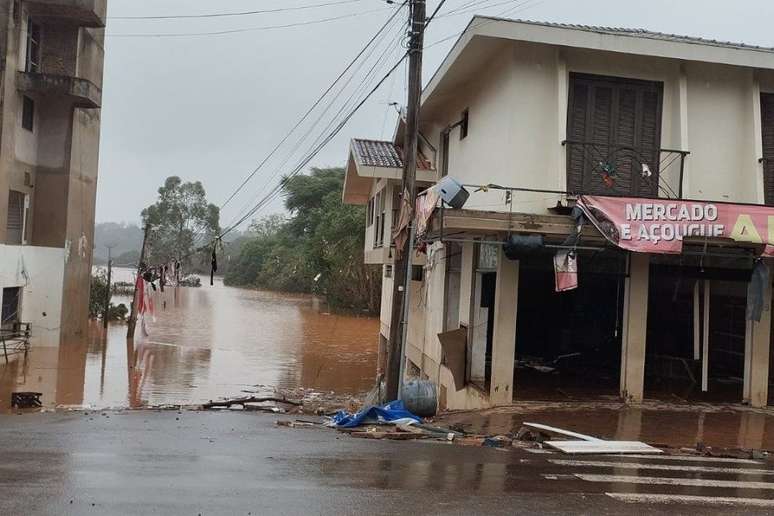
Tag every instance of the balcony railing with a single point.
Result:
(86, 13)
(622, 170)
(81, 92)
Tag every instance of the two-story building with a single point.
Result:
(52, 55)
(666, 143)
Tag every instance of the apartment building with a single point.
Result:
(50, 98)
(616, 239)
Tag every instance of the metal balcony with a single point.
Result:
(85, 13)
(624, 170)
(81, 92)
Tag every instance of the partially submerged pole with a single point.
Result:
(106, 316)
(133, 314)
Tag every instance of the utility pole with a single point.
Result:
(133, 313)
(402, 266)
(106, 316)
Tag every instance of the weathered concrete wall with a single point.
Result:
(36, 270)
(517, 106)
(56, 164)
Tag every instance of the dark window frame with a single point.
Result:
(28, 113)
(34, 36)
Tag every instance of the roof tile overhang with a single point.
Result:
(372, 159)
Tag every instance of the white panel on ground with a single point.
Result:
(705, 352)
(691, 500)
(558, 431)
(602, 447)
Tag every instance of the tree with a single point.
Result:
(180, 219)
(319, 248)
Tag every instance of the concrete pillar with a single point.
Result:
(635, 326)
(504, 332)
(756, 378)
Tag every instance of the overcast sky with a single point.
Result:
(211, 107)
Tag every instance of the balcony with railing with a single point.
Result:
(81, 93)
(84, 13)
(623, 170)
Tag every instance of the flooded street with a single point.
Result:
(205, 343)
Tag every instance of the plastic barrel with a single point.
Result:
(421, 397)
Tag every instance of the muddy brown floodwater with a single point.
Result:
(205, 343)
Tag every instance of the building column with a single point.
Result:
(756, 370)
(504, 331)
(635, 327)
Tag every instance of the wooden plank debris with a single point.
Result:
(550, 430)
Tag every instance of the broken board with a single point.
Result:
(550, 430)
(599, 446)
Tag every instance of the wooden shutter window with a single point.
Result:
(767, 131)
(15, 223)
(609, 113)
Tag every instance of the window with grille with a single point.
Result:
(33, 47)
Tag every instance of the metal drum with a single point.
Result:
(420, 397)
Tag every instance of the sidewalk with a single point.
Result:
(669, 425)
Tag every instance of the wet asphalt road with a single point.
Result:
(191, 463)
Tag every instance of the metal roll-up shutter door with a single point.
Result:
(15, 224)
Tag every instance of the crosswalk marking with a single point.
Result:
(692, 458)
(660, 467)
(691, 500)
(669, 481)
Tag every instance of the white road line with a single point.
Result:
(691, 500)
(668, 481)
(692, 458)
(660, 467)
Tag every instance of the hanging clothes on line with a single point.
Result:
(214, 267)
(401, 231)
(426, 204)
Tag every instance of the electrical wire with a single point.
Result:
(226, 15)
(247, 29)
(358, 91)
(314, 105)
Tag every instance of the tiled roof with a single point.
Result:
(643, 33)
(373, 153)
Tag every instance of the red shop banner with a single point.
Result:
(660, 225)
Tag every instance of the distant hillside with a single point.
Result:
(126, 240)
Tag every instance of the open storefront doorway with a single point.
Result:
(568, 344)
(696, 330)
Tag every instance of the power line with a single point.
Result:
(358, 91)
(247, 29)
(315, 151)
(314, 105)
(225, 15)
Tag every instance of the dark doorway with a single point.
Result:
(568, 344)
(11, 306)
(675, 351)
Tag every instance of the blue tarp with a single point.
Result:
(392, 412)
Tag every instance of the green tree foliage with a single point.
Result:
(97, 296)
(317, 249)
(180, 219)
